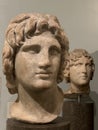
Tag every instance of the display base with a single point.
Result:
(58, 124)
(80, 115)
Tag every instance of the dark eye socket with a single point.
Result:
(32, 49)
(88, 64)
(35, 49)
(54, 50)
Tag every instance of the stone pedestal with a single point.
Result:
(80, 114)
(58, 124)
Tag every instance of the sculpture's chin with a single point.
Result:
(41, 85)
(44, 84)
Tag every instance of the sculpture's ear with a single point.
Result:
(67, 75)
(11, 84)
(66, 71)
(92, 73)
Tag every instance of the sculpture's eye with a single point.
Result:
(78, 64)
(34, 49)
(88, 64)
(54, 50)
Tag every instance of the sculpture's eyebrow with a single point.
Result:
(30, 46)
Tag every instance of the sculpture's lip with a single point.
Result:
(44, 74)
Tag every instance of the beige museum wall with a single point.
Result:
(79, 18)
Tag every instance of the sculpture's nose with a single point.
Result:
(84, 68)
(44, 60)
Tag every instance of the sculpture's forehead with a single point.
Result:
(42, 40)
(83, 59)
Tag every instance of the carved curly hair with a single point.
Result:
(26, 26)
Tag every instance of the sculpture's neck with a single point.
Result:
(80, 89)
(39, 97)
(38, 107)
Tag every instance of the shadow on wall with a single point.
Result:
(94, 89)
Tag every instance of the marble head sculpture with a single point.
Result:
(33, 61)
(79, 71)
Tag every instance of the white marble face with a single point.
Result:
(80, 72)
(37, 62)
